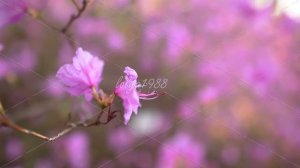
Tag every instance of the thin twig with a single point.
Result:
(74, 17)
(97, 122)
(64, 31)
(5, 121)
(39, 17)
(26, 131)
(61, 133)
(76, 4)
(96, 95)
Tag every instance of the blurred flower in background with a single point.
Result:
(181, 151)
(231, 98)
(12, 11)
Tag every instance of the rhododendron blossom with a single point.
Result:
(231, 76)
(127, 91)
(83, 75)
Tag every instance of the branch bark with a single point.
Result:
(5, 121)
(74, 17)
(64, 30)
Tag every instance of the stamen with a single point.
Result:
(150, 96)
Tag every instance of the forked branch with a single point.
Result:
(5, 121)
(74, 17)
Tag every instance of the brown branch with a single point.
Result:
(65, 131)
(38, 16)
(76, 4)
(74, 17)
(64, 31)
(5, 121)
(26, 131)
(96, 95)
(97, 122)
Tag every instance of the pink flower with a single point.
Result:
(77, 147)
(12, 11)
(83, 75)
(181, 151)
(127, 91)
(261, 74)
(14, 148)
